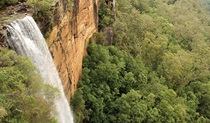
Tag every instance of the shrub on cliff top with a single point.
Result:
(42, 5)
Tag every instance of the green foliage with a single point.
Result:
(156, 72)
(205, 4)
(42, 5)
(100, 38)
(45, 14)
(69, 5)
(23, 96)
(104, 14)
(115, 87)
(78, 105)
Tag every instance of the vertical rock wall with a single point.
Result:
(68, 39)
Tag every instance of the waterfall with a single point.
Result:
(26, 39)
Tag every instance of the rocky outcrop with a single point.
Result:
(69, 38)
(11, 13)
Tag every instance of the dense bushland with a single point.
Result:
(24, 98)
(157, 70)
(205, 4)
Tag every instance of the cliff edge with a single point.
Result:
(69, 37)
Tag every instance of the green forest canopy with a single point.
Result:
(205, 4)
(156, 71)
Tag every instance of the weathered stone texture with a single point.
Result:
(67, 41)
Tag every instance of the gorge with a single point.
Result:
(147, 61)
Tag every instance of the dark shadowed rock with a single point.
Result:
(20, 8)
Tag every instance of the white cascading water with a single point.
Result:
(26, 39)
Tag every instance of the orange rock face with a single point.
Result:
(68, 39)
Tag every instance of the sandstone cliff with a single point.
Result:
(69, 37)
